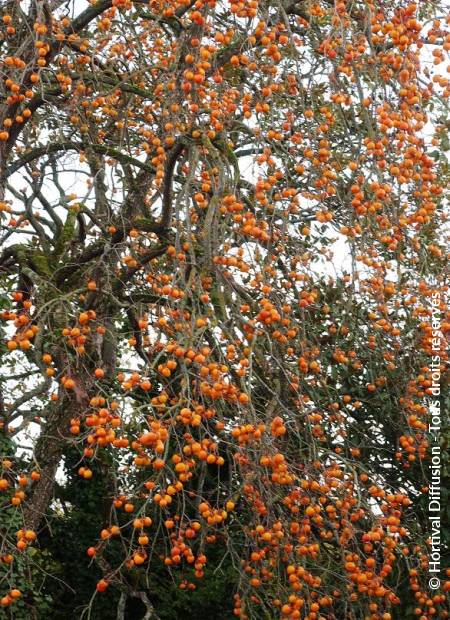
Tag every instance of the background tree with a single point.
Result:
(221, 221)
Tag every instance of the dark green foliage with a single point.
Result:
(64, 579)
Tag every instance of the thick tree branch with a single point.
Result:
(49, 149)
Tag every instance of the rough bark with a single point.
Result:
(49, 451)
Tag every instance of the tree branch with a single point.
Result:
(49, 149)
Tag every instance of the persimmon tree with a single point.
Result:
(220, 221)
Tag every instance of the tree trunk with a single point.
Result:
(49, 451)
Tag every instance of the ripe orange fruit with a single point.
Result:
(102, 585)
